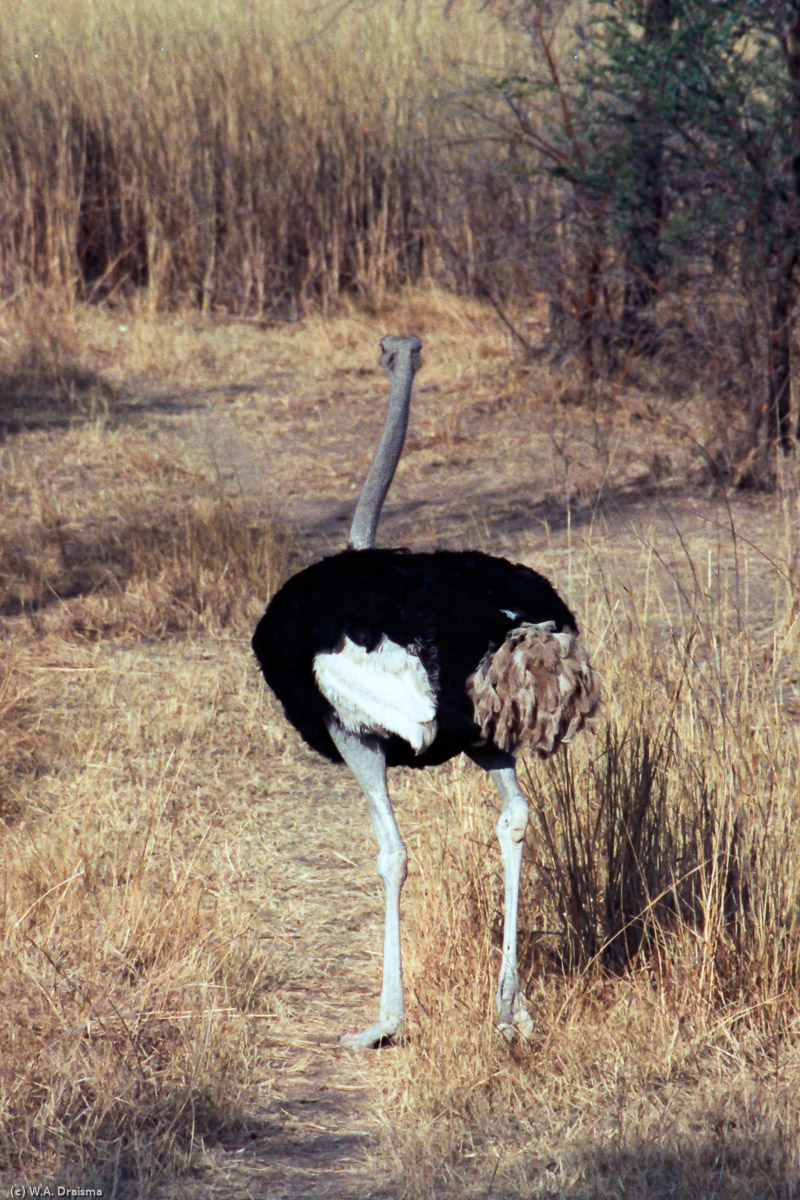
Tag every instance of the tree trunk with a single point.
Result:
(643, 255)
(637, 320)
(587, 313)
(779, 375)
(792, 52)
(779, 378)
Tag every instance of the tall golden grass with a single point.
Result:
(239, 155)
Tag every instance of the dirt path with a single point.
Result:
(314, 1135)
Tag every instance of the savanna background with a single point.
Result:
(209, 215)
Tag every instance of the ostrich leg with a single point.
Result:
(512, 1014)
(365, 758)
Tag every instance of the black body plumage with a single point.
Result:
(448, 607)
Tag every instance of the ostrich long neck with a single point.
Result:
(401, 367)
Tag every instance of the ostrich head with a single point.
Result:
(401, 354)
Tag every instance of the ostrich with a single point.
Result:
(387, 657)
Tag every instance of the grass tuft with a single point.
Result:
(23, 746)
(131, 984)
(205, 569)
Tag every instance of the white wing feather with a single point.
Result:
(382, 691)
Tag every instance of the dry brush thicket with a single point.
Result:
(245, 157)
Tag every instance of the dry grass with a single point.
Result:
(148, 549)
(179, 572)
(189, 906)
(22, 747)
(128, 976)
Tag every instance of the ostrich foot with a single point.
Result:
(382, 1033)
(515, 1021)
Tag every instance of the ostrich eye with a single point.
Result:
(390, 361)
